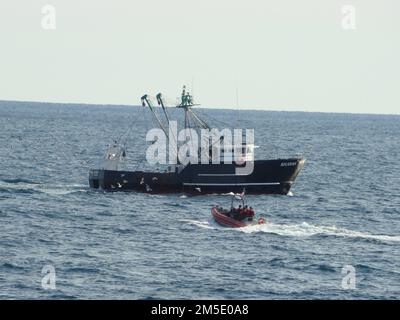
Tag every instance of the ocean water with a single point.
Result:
(344, 209)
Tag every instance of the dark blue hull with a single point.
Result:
(267, 177)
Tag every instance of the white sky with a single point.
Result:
(281, 55)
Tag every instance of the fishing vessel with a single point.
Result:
(236, 169)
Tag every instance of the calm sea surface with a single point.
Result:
(344, 210)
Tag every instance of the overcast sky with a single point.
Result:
(279, 55)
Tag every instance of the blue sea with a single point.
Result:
(343, 212)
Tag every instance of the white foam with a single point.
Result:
(18, 185)
(297, 230)
(57, 189)
(307, 230)
(60, 189)
(227, 194)
(201, 224)
(57, 192)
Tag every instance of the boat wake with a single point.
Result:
(19, 185)
(298, 230)
(203, 224)
(307, 230)
(58, 190)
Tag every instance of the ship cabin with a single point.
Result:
(243, 153)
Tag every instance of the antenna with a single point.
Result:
(237, 97)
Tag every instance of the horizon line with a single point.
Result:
(202, 107)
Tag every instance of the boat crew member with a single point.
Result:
(250, 214)
(237, 213)
(243, 213)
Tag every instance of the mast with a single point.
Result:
(190, 117)
(187, 104)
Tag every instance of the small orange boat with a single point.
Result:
(232, 218)
(223, 218)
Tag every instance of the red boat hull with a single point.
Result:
(226, 221)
